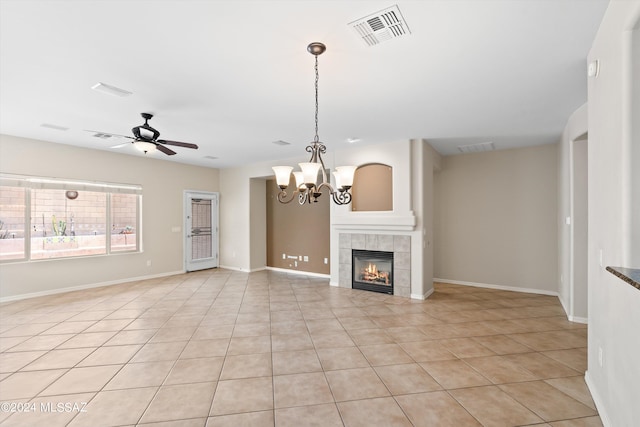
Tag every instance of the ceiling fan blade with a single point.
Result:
(124, 144)
(178, 144)
(165, 150)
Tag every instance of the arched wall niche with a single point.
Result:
(372, 188)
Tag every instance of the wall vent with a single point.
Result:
(476, 148)
(381, 26)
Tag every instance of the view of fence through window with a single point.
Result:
(66, 223)
(12, 222)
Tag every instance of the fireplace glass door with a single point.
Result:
(372, 271)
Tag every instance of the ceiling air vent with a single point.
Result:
(476, 148)
(210, 157)
(381, 26)
(111, 90)
(281, 142)
(56, 127)
(102, 135)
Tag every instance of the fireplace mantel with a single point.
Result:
(375, 221)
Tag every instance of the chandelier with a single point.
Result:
(308, 186)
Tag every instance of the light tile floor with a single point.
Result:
(221, 348)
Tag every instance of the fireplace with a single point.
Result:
(372, 271)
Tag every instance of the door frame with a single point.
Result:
(215, 222)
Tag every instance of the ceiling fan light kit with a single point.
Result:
(308, 187)
(145, 147)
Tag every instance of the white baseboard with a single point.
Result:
(87, 286)
(578, 319)
(597, 400)
(228, 267)
(570, 317)
(564, 305)
(499, 287)
(299, 272)
(423, 297)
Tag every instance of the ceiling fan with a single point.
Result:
(145, 138)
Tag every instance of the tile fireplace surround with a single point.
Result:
(399, 244)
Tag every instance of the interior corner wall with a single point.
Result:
(163, 186)
(258, 224)
(495, 219)
(431, 163)
(576, 126)
(243, 243)
(613, 374)
(235, 225)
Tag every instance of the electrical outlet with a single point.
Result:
(295, 263)
(148, 263)
(284, 256)
(326, 260)
(306, 258)
(299, 257)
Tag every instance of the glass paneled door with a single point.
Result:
(201, 226)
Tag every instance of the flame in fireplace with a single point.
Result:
(371, 274)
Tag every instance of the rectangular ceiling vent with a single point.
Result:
(111, 90)
(477, 148)
(56, 127)
(210, 157)
(281, 142)
(381, 26)
(102, 135)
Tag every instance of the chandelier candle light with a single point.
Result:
(308, 188)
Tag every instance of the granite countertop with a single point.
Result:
(629, 275)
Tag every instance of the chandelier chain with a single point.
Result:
(316, 138)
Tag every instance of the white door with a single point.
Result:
(201, 230)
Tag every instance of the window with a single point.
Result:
(12, 222)
(124, 220)
(45, 218)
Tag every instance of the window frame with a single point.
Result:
(31, 183)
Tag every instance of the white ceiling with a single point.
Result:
(234, 76)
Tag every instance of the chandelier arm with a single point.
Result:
(341, 197)
(326, 185)
(282, 196)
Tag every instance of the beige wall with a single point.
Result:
(162, 208)
(614, 306)
(495, 218)
(296, 230)
(372, 188)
